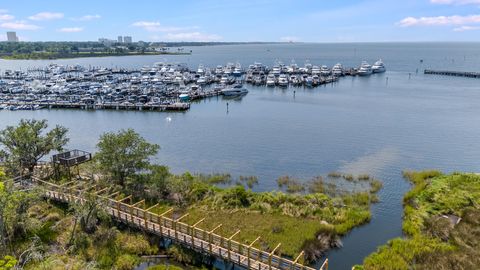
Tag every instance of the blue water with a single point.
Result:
(358, 125)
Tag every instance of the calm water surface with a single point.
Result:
(358, 125)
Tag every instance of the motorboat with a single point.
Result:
(337, 70)
(325, 71)
(271, 80)
(235, 90)
(283, 80)
(378, 67)
(365, 69)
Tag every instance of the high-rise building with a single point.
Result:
(12, 36)
(120, 39)
(127, 39)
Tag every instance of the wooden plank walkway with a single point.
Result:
(190, 236)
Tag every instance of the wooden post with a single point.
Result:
(270, 256)
(192, 228)
(145, 214)
(230, 244)
(296, 259)
(210, 240)
(113, 194)
(102, 190)
(324, 265)
(137, 203)
(160, 217)
(176, 222)
(248, 250)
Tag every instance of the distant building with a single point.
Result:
(12, 36)
(106, 41)
(120, 39)
(127, 39)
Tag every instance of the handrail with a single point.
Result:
(242, 254)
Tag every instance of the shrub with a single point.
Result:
(334, 174)
(126, 262)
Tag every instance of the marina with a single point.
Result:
(356, 125)
(161, 87)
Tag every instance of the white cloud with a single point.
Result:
(70, 29)
(455, 2)
(466, 28)
(158, 27)
(192, 36)
(439, 20)
(6, 17)
(289, 39)
(19, 25)
(45, 16)
(87, 18)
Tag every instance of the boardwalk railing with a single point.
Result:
(193, 237)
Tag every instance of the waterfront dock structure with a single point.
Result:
(137, 214)
(453, 73)
(164, 86)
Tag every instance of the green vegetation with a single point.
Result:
(164, 267)
(436, 237)
(42, 235)
(25, 144)
(123, 154)
(57, 50)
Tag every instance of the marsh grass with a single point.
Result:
(434, 242)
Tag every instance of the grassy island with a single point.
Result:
(39, 234)
(441, 224)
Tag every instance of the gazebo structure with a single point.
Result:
(69, 159)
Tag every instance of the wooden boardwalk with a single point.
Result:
(191, 236)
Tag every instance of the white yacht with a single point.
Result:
(337, 70)
(378, 67)
(365, 69)
(235, 90)
(315, 70)
(276, 70)
(237, 71)
(283, 80)
(271, 80)
(325, 71)
(201, 80)
(201, 69)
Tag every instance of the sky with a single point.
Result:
(243, 20)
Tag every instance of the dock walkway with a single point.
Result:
(453, 73)
(191, 236)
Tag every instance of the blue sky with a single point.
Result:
(243, 20)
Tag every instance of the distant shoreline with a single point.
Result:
(55, 56)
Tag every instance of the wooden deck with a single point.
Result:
(190, 236)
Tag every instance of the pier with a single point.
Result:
(453, 73)
(137, 214)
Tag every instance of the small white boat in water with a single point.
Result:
(378, 67)
(236, 90)
(365, 69)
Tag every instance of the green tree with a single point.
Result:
(124, 154)
(86, 213)
(25, 144)
(13, 212)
